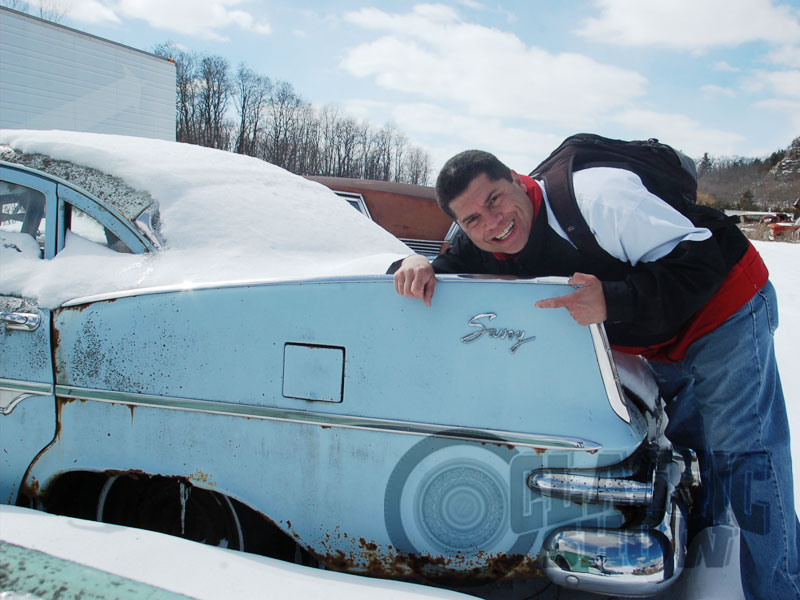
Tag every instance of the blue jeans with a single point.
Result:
(724, 400)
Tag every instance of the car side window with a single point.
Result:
(91, 229)
(23, 210)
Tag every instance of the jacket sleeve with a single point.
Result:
(659, 297)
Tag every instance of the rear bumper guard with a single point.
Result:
(634, 562)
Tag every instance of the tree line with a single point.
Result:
(747, 183)
(248, 113)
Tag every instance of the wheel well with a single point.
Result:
(172, 505)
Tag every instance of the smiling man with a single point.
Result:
(683, 288)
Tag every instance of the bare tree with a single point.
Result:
(417, 166)
(187, 126)
(20, 5)
(52, 10)
(283, 113)
(399, 145)
(252, 95)
(212, 101)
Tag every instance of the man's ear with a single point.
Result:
(517, 180)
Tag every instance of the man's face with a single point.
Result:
(496, 215)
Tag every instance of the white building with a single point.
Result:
(55, 77)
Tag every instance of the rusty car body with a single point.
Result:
(323, 419)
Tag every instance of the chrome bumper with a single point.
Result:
(633, 562)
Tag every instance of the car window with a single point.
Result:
(91, 229)
(22, 210)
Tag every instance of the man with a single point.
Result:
(689, 292)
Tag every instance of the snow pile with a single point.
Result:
(225, 217)
(196, 570)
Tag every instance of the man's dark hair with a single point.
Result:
(459, 171)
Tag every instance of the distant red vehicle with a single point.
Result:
(785, 230)
(407, 211)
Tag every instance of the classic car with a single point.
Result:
(201, 344)
(409, 212)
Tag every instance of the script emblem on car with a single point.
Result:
(516, 335)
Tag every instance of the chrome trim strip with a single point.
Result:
(12, 392)
(491, 436)
(32, 387)
(608, 372)
(186, 287)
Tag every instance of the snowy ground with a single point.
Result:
(783, 261)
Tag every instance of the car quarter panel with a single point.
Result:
(380, 355)
(434, 409)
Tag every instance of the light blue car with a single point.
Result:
(197, 343)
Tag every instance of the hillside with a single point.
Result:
(751, 184)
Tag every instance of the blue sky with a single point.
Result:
(510, 76)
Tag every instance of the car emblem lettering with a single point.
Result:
(504, 333)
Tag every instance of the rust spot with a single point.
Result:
(539, 450)
(199, 476)
(30, 490)
(55, 336)
(383, 562)
(371, 546)
(594, 451)
(78, 308)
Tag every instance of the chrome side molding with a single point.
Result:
(332, 419)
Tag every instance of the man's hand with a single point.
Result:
(415, 278)
(587, 304)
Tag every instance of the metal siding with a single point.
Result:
(56, 78)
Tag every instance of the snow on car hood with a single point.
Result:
(224, 217)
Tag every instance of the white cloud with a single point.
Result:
(205, 19)
(785, 89)
(692, 25)
(718, 90)
(788, 56)
(725, 67)
(790, 108)
(92, 11)
(430, 53)
(443, 133)
(681, 132)
(471, 4)
(781, 83)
